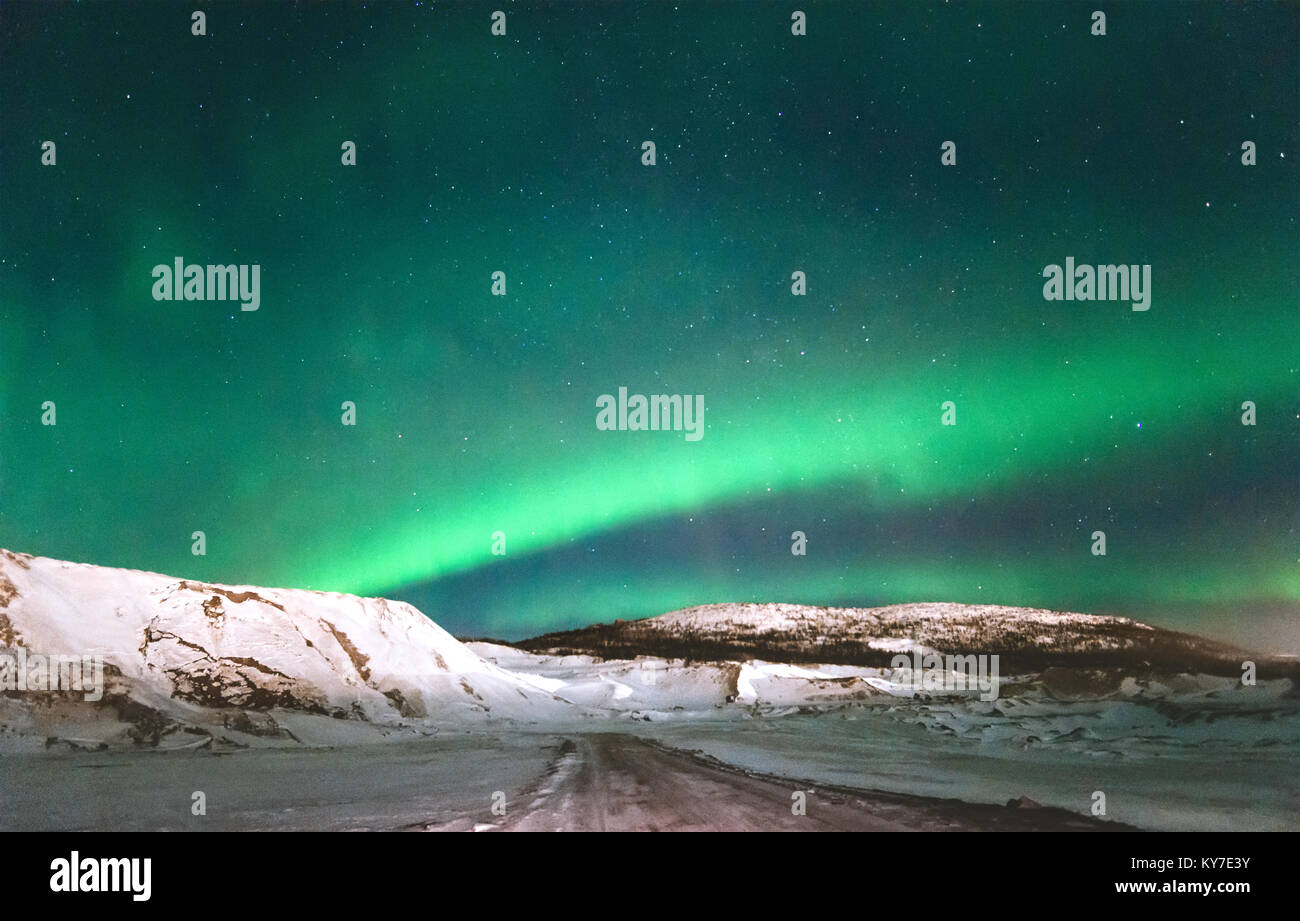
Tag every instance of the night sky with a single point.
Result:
(775, 153)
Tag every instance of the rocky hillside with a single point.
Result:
(1026, 640)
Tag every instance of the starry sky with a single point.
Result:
(775, 153)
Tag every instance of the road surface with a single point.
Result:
(614, 782)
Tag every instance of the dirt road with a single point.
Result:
(612, 782)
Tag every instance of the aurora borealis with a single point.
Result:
(776, 153)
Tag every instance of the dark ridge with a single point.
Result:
(1083, 645)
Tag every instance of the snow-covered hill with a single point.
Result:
(1027, 640)
(187, 663)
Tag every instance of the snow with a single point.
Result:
(197, 655)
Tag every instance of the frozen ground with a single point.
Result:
(445, 783)
(600, 781)
(1215, 788)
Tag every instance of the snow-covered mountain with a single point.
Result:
(1027, 640)
(187, 662)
